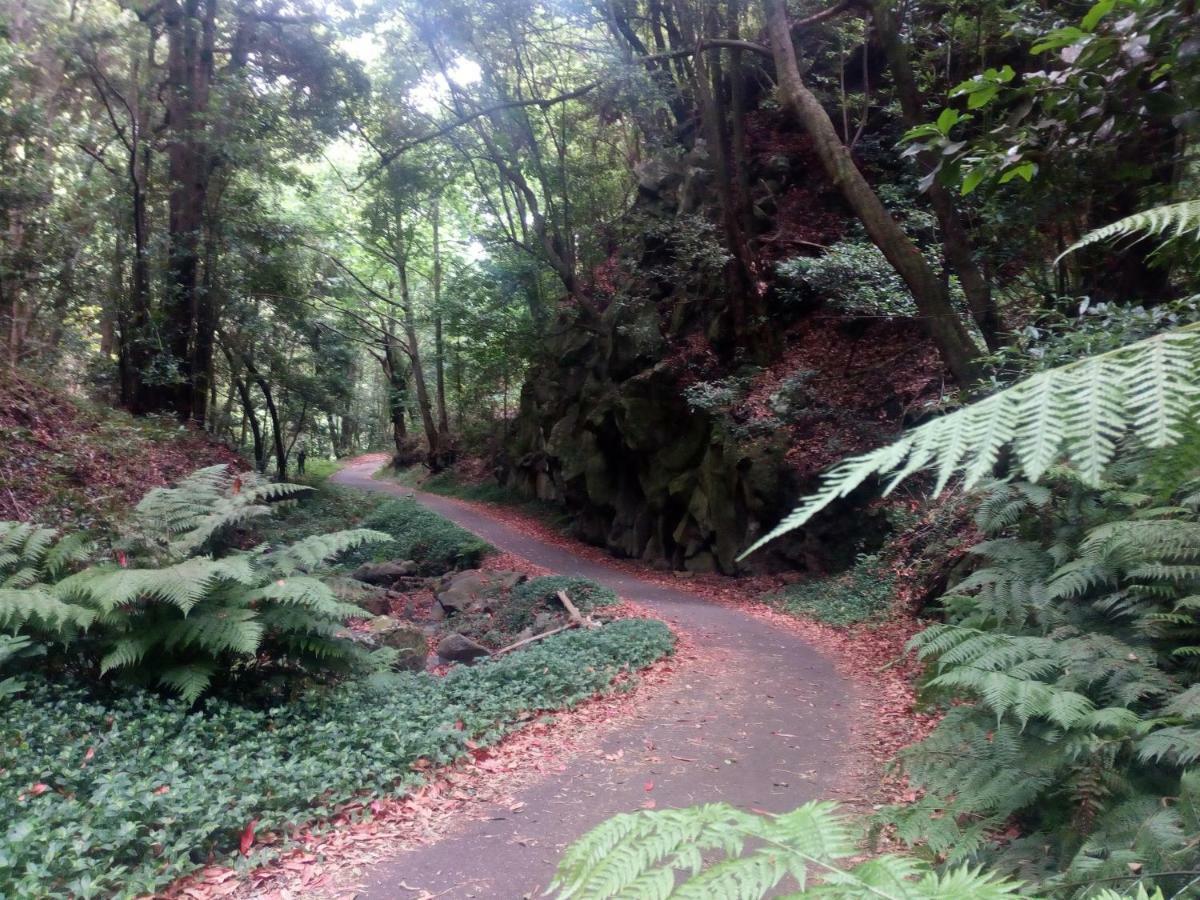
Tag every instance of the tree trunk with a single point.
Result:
(745, 304)
(248, 413)
(260, 456)
(424, 407)
(190, 34)
(439, 345)
(276, 428)
(956, 241)
(929, 291)
(397, 401)
(136, 347)
(737, 116)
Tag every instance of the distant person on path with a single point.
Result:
(300, 458)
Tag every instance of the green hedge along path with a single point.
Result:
(766, 729)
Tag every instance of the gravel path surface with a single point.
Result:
(766, 728)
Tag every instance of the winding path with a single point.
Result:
(766, 729)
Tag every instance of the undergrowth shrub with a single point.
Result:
(540, 594)
(719, 851)
(1069, 667)
(861, 593)
(851, 275)
(435, 544)
(1058, 338)
(122, 797)
(164, 608)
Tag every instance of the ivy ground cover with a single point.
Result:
(122, 796)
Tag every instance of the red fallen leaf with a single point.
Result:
(87, 757)
(162, 789)
(237, 486)
(247, 840)
(122, 559)
(377, 806)
(649, 785)
(648, 804)
(38, 789)
(458, 725)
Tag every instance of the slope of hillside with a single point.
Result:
(65, 461)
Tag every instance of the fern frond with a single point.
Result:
(38, 606)
(216, 631)
(127, 652)
(306, 554)
(189, 681)
(30, 553)
(727, 854)
(1076, 412)
(1181, 218)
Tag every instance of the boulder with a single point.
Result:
(408, 640)
(474, 590)
(461, 649)
(384, 573)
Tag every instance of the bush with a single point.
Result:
(539, 594)
(862, 593)
(1068, 669)
(122, 797)
(435, 544)
(165, 608)
(853, 276)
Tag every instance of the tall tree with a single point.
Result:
(930, 291)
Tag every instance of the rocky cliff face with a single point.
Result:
(623, 422)
(603, 428)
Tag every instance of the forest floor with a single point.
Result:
(756, 710)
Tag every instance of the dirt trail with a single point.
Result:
(767, 728)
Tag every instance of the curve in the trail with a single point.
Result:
(768, 728)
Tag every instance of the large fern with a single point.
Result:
(164, 610)
(189, 516)
(29, 557)
(1071, 660)
(719, 852)
(1079, 412)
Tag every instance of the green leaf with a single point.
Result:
(982, 97)
(1024, 170)
(947, 120)
(973, 179)
(1059, 38)
(1096, 13)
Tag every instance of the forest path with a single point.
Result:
(767, 728)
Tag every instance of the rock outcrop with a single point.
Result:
(612, 421)
(461, 649)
